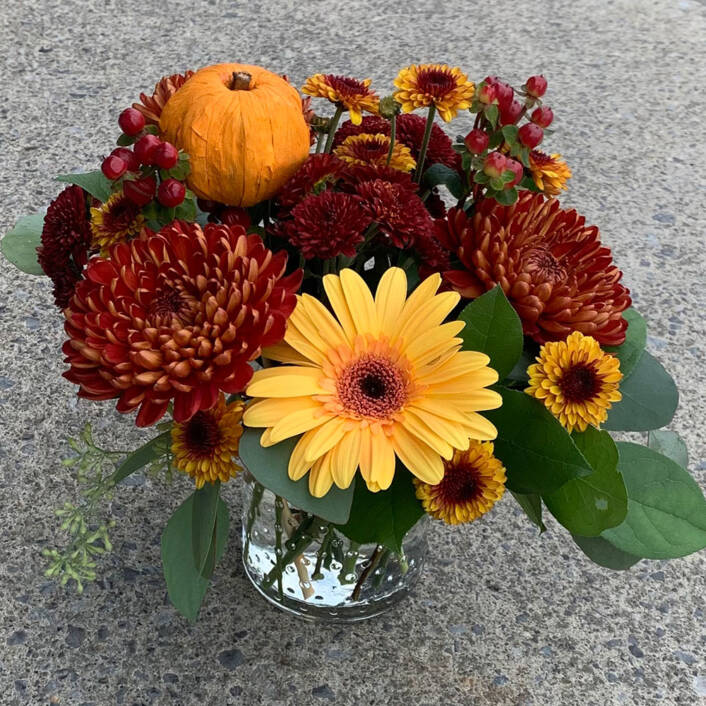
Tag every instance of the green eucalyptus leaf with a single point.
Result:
(590, 504)
(531, 504)
(141, 457)
(203, 527)
(494, 328)
(95, 183)
(269, 465)
(185, 584)
(669, 444)
(630, 351)
(20, 244)
(440, 174)
(538, 454)
(666, 508)
(603, 553)
(384, 517)
(650, 398)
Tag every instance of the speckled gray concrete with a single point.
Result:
(502, 616)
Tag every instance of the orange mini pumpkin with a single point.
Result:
(243, 129)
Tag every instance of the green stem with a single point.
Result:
(372, 563)
(393, 135)
(279, 507)
(320, 142)
(255, 501)
(332, 128)
(299, 541)
(321, 554)
(349, 562)
(425, 143)
(382, 563)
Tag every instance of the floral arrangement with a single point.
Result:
(369, 321)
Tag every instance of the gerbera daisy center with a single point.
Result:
(580, 383)
(372, 386)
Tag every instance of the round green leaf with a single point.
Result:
(532, 507)
(20, 244)
(605, 554)
(669, 444)
(666, 508)
(440, 174)
(270, 467)
(95, 183)
(494, 328)
(630, 351)
(538, 453)
(650, 398)
(590, 504)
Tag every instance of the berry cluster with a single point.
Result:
(496, 152)
(152, 167)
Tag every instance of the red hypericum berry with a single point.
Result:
(510, 113)
(113, 167)
(207, 205)
(504, 93)
(131, 121)
(233, 216)
(543, 116)
(166, 155)
(145, 148)
(494, 164)
(140, 191)
(477, 141)
(530, 135)
(128, 156)
(515, 166)
(487, 93)
(536, 86)
(171, 193)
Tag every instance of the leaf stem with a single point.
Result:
(372, 563)
(425, 143)
(332, 128)
(299, 541)
(393, 135)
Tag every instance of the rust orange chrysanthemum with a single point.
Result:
(177, 315)
(152, 106)
(550, 264)
(576, 381)
(383, 379)
(550, 172)
(474, 480)
(206, 446)
(349, 93)
(423, 85)
(373, 150)
(115, 220)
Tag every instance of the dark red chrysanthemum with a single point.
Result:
(66, 237)
(399, 214)
(314, 175)
(326, 225)
(410, 131)
(355, 174)
(176, 315)
(432, 256)
(550, 264)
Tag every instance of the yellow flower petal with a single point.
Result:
(286, 381)
(390, 297)
(420, 459)
(360, 301)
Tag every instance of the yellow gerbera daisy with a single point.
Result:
(206, 446)
(419, 86)
(576, 380)
(549, 171)
(372, 150)
(474, 480)
(384, 378)
(116, 220)
(350, 93)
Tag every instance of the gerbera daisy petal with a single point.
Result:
(382, 469)
(359, 300)
(421, 460)
(390, 297)
(345, 462)
(286, 381)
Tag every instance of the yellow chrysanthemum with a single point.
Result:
(576, 380)
(206, 446)
(550, 172)
(419, 86)
(372, 150)
(350, 93)
(116, 220)
(474, 480)
(384, 378)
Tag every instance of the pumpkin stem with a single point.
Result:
(240, 81)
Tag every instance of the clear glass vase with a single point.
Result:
(305, 566)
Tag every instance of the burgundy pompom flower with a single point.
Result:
(176, 315)
(551, 265)
(410, 131)
(313, 176)
(66, 238)
(326, 225)
(400, 215)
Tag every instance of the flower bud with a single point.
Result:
(477, 141)
(494, 164)
(530, 135)
(543, 116)
(536, 86)
(389, 107)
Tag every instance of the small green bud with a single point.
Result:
(389, 107)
